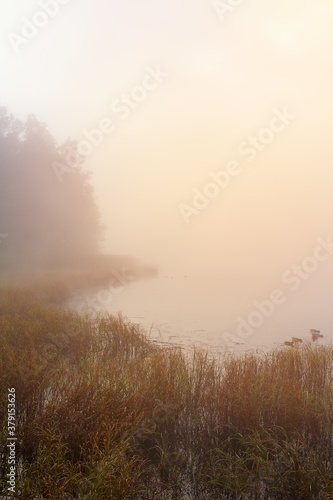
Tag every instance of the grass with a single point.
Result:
(104, 413)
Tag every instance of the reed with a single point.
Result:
(104, 413)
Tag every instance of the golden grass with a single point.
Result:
(103, 413)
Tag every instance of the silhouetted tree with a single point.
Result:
(48, 222)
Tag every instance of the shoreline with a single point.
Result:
(102, 412)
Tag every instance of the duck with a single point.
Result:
(287, 342)
(316, 335)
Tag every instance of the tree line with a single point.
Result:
(43, 223)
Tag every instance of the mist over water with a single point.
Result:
(200, 309)
(204, 146)
(166, 183)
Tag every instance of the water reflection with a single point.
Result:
(205, 310)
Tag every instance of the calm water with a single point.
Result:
(201, 309)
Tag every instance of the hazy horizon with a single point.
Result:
(212, 83)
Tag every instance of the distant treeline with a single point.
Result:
(43, 222)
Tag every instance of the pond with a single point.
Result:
(216, 311)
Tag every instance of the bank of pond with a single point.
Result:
(104, 413)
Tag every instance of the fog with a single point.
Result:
(240, 92)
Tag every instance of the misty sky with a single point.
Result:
(225, 79)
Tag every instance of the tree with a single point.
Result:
(43, 222)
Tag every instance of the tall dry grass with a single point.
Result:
(103, 413)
